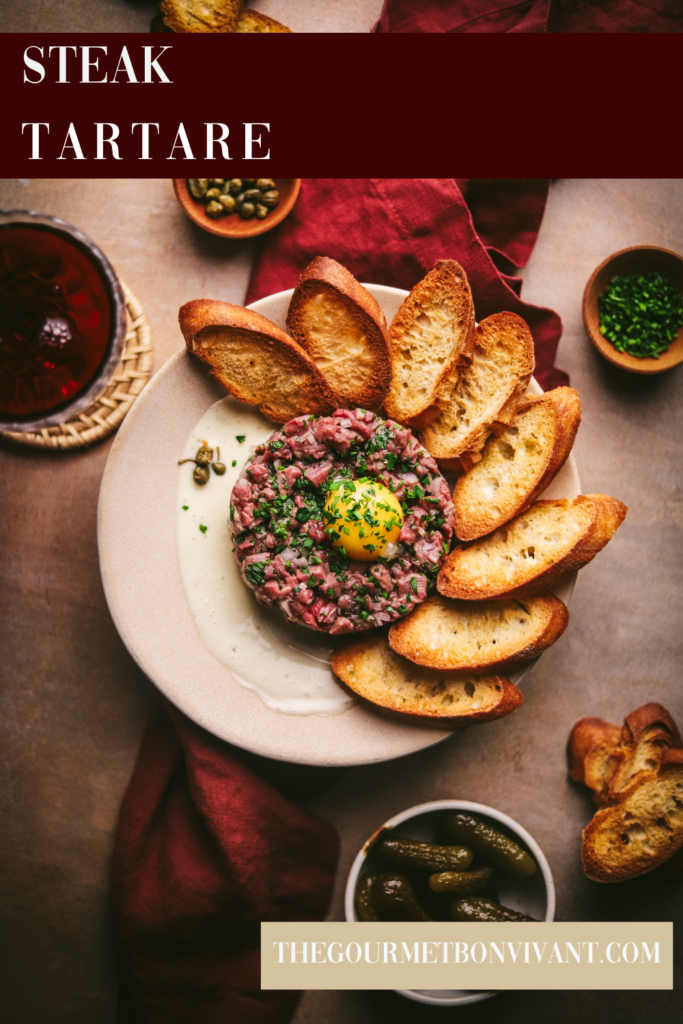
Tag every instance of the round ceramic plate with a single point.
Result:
(138, 526)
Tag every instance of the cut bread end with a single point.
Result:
(374, 671)
(474, 635)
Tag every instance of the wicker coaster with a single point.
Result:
(106, 413)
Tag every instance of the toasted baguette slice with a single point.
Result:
(533, 551)
(642, 830)
(254, 21)
(591, 753)
(516, 467)
(201, 15)
(256, 361)
(473, 635)
(487, 393)
(372, 670)
(431, 334)
(344, 331)
(610, 760)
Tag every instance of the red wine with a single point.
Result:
(55, 321)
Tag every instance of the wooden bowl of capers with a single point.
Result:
(237, 207)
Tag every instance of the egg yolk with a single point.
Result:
(362, 517)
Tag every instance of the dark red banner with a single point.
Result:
(150, 105)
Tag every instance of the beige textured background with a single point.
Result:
(74, 704)
(136, 15)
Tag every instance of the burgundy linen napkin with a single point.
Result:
(393, 230)
(205, 851)
(530, 16)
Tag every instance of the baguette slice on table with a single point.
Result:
(474, 635)
(372, 670)
(487, 393)
(201, 15)
(254, 21)
(344, 331)
(518, 465)
(533, 551)
(431, 335)
(254, 360)
(636, 776)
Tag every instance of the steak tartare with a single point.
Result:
(281, 528)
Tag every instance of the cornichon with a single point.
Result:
(409, 853)
(464, 883)
(366, 909)
(486, 840)
(394, 898)
(476, 908)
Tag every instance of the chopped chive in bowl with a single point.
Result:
(640, 314)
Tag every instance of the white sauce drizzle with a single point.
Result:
(287, 665)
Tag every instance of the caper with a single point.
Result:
(236, 186)
(201, 474)
(225, 188)
(249, 182)
(266, 184)
(261, 211)
(204, 455)
(271, 199)
(247, 211)
(228, 203)
(213, 193)
(214, 209)
(218, 468)
(239, 200)
(198, 187)
(252, 195)
(216, 181)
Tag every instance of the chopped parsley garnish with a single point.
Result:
(185, 508)
(232, 512)
(203, 528)
(275, 445)
(413, 584)
(241, 438)
(234, 462)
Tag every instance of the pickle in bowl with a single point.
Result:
(490, 843)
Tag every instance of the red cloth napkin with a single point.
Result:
(205, 850)
(530, 16)
(393, 230)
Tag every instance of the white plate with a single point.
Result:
(144, 589)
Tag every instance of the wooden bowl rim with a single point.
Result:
(605, 347)
(257, 227)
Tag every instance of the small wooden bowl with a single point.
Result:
(233, 226)
(638, 259)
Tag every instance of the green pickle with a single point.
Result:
(409, 853)
(477, 908)
(464, 883)
(394, 898)
(491, 844)
(364, 904)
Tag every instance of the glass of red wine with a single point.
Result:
(62, 321)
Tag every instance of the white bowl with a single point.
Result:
(534, 896)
